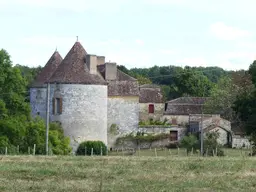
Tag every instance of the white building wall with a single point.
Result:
(38, 102)
(84, 112)
(123, 112)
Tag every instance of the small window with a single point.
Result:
(38, 94)
(174, 135)
(174, 121)
(151, 108)
(57, 106)
(165, 106)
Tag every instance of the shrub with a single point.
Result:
(87, 146)
(189, 142)
(211, 145)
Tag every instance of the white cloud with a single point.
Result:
(139, 42)
(222, 31)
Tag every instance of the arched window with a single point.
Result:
(151, 108)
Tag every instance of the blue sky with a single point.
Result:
(134, 33)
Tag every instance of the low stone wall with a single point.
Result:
(240, 142)
(158, 130)
(128, 144)
(155, 144)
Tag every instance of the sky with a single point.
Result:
(133, 33)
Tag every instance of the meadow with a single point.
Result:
(138, 173)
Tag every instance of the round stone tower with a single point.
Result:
(38, 88)
(79, 97)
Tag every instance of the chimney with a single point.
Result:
(91, 62)
(100, 60)
(111, 71)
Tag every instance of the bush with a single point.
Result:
(87, 146)
(190, 142)
(211, 145)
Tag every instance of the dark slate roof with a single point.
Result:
(48, 70)
(124, 85)
(185, 106)
(73, 69)
(151, 94)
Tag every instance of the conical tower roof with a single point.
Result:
(48, 70)
(73, 69)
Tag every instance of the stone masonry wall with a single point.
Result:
(158, 112)
(38, 102)
(84, 112)
(123, 112)
(240, 142)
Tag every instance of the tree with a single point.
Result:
(222, 97)
(17, 128)
(192, 83)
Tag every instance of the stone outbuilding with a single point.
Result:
(151, 102)
(187, 112)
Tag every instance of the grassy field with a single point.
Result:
(131, 174)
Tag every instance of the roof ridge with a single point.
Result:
(48, 70)
(73, 69)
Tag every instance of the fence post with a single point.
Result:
(92, 152)
(6, 150)
(178, 151)
(28, 150)
(34, 150)
(192, 151)
(85, 152)
(100, 150)
(139, 151)
(155, 152)
(18, 149)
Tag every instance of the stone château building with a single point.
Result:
(88, 96)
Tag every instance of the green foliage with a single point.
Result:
(155, 122)
(189, 142)
(114, 129)
(211, 145)
(87, 146)
(222, 97)
(141, 137)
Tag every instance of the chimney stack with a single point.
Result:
(91, 62)
(110, 71)
(100, 60)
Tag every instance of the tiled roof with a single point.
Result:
(73, 69)
(151, 94)
(124, 85)
(48, 70)
(185, 106)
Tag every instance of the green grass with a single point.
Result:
(130, 173)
